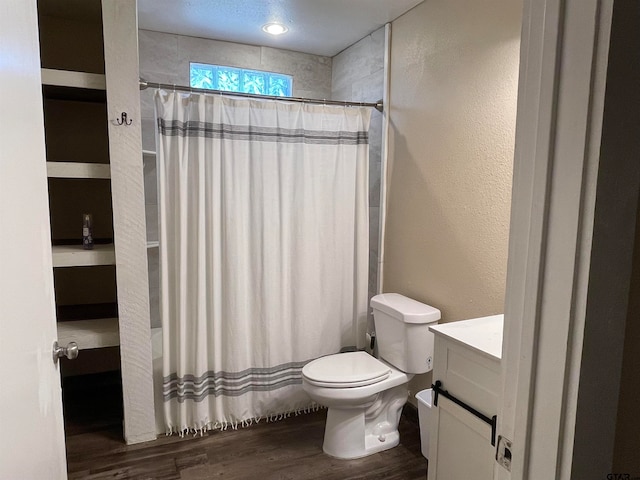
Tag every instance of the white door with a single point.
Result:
(32, 441)
(556, 277)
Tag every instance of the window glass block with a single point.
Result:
(254, 82)
(220, 77)
(279, 85)
(201, 76)
(228, 79)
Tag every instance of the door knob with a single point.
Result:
(70, 351)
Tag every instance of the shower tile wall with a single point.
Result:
(358, 75)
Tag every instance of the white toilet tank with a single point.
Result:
(402, 331)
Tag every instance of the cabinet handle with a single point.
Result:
(493, 421)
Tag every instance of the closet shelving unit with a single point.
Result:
(89, 60)
(64, 86)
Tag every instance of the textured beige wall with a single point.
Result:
(454, 73)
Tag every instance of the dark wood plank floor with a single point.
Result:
(287, 449)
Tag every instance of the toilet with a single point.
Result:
(364, 395)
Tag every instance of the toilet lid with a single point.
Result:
(342, 370)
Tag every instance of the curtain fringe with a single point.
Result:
(225, 424)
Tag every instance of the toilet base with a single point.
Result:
(355, 432)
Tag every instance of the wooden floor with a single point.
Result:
(287, 449)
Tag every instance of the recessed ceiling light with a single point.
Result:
(275, 28)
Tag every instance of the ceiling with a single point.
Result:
(321, 27)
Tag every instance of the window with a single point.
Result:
(231, 79)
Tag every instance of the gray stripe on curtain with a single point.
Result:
(176, 128)
(231, 384)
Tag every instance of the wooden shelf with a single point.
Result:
(65, 78)
(76, 256)
(78, 170)
(98, 333)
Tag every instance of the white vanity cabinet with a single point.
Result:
(467, 367)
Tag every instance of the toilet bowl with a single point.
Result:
(365, 395)
(362, 419)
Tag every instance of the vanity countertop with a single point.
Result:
(483, 334)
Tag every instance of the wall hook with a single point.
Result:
(123, 119)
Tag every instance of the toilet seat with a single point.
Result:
(345, 370)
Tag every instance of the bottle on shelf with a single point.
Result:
(87, 231)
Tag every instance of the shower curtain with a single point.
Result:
(263, 251)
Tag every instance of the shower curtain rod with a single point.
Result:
(144, 84)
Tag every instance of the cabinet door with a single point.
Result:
(464, 449)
